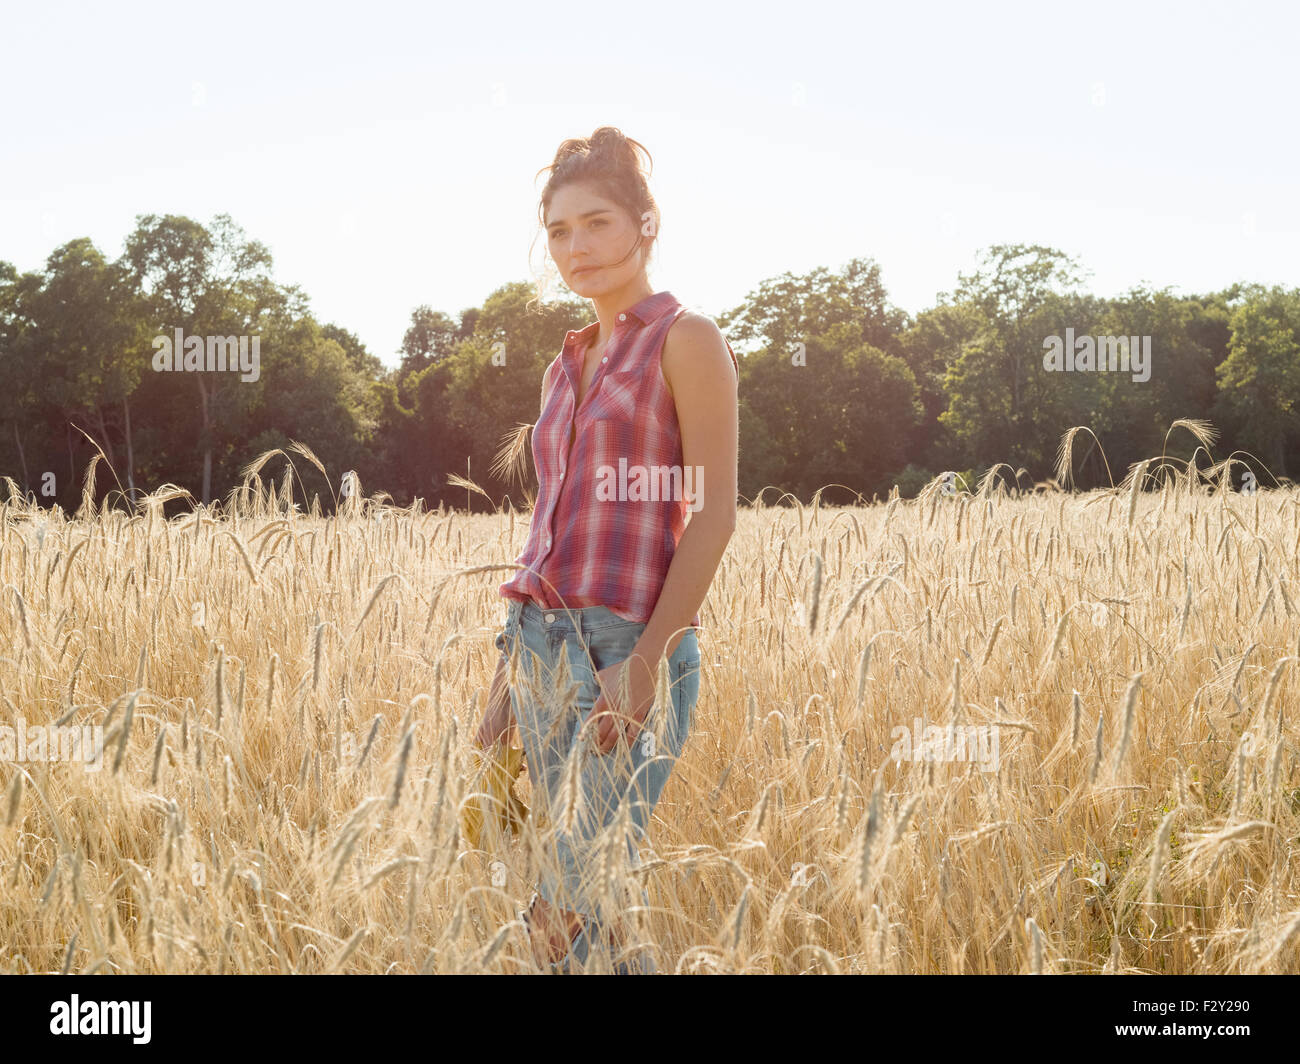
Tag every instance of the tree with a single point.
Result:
(317, 395)
(1134, 416)
(932, 344)
(493, 378)
(997, 390)
(844, 415)
(804, 332)
(368, 365)
(789, 309)
(78, 339)
(1260, 381)
(430, 337)
(206, 282)
(17, 401)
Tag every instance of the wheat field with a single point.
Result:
(287, 702)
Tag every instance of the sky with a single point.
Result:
(386, 153)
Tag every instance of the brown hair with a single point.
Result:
(609, 162)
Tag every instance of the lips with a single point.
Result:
(585, 269)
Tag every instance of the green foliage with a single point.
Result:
(837, 386)
(911, 480)
(1260, 379)
(825, 398)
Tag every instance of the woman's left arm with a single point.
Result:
(702, 379)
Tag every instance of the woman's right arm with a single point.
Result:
(498, 722)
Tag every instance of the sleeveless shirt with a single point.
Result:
(610, 511)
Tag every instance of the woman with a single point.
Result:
(635, 410)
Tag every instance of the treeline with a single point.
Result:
(183, 360)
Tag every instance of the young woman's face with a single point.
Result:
(587, 236)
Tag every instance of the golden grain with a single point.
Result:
(782, 762)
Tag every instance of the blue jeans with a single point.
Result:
(550, 707)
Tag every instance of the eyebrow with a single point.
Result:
(588, 214)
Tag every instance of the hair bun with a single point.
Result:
(611, 142)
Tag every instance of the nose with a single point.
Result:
(577, 249)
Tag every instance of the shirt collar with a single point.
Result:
(648, 310)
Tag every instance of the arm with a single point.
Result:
(702, 379)
(498, 722)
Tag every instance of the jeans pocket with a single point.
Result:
(613, 643)
(505, 638)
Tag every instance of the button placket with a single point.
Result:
(573, 417)
(604, 359)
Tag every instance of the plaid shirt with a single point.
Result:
(610, 548)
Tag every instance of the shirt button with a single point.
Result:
(622, 317)
(605, 359)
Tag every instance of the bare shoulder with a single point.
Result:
(695, 351)
(693, 329)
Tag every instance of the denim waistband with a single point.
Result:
(574, 619)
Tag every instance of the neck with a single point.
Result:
(609, 305)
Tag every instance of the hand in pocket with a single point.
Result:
(614, 718)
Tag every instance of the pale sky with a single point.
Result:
(385, 153)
